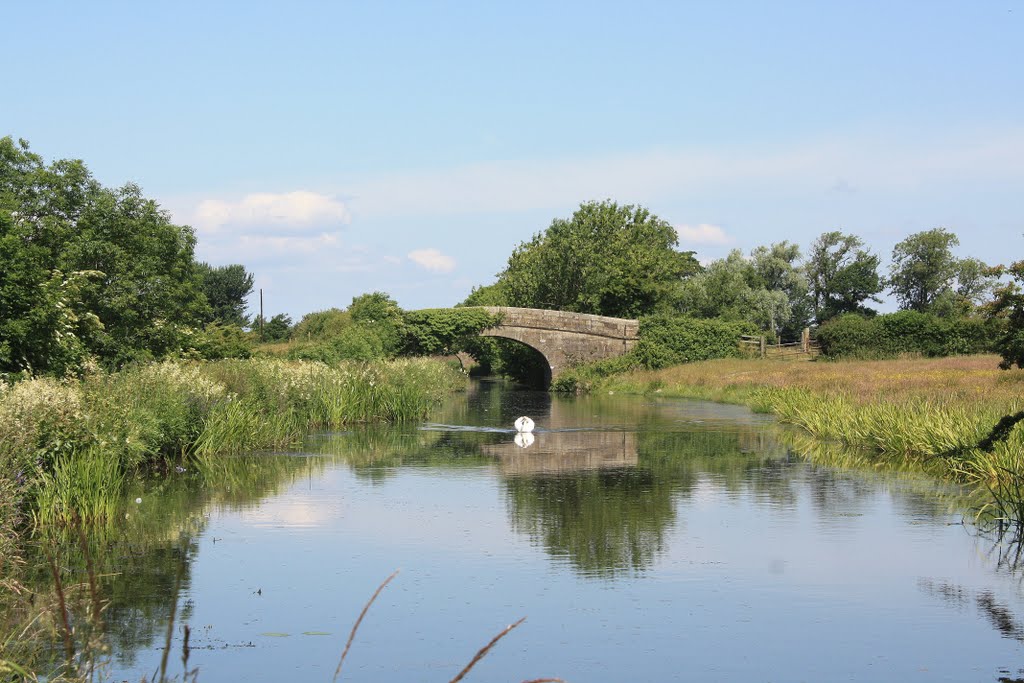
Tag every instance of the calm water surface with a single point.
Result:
(643, 540)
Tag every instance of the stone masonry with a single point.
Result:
(563, 338)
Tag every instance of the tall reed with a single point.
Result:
(933, 412)
(67, 446)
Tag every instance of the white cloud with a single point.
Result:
(433, 260)
(289, 211)
(290, 244)
(256, 249)
(705, 233)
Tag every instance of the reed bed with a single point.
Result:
(66, 447)
(933, 412)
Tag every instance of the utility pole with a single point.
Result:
(261, 316)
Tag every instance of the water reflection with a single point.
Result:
(145, 560)
(612, 493)
(961, 598)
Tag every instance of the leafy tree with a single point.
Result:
(719, 291)
(841, 275)
(923, 269)
(88, 271)
(606, 259)
(775, 270)
(768, 290)
(149, 294)
(444, 330)
(277, 328)
(226, 288)
(374, 307)
(379, 316)
(322, 324)
(1009, 303)
(487, 295)
(975, 281)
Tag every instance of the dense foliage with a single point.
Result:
(669, 340)
(768, 290)
(96, 274)
(443, 331)
(906, 332)
(277, 329)
(607, 259)
(1009, 305)
(664, 340)
(926, 276)
(225, 288)
(842, 275)
(374, 327)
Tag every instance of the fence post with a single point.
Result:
(763, 346)
(805, 340)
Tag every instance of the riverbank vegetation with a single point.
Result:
(67, 446)
(933, 412)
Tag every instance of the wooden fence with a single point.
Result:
(758, 347)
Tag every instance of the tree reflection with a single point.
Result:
(141, 563)
(607, 521)
(604, 522)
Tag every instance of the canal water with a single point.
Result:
(642, 539)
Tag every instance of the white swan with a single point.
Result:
(524, 424)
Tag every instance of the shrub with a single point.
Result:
(217, 342)
(444, 330)
(670, 340)
(321, 325)
(664, 340)
(359, 342)
(849, 336)
(906, 332)
(582, 378)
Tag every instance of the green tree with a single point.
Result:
(277, 328)
(767, 290)
(374, 307)
(379, 316)
(776, 269)
(150, 293)
(923, 269)
(322, 325)
(841, 275)
(88, 271)
(1009, 303)
(606, 259)
(719, 290)
(226, 288)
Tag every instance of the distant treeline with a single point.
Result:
(96, 276)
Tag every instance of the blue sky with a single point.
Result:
(346, 147)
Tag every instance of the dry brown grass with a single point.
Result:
(935, 412)
(959, 380)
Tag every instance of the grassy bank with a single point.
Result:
(66, 448)
(929, 411)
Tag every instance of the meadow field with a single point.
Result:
(931, 411)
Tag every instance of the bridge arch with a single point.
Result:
(564, 338)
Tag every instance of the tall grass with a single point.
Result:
(83, 486)
(67, 446)
(933, 412)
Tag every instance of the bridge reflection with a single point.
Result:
(566, 451)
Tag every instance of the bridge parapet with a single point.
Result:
(567, 321)
(565, 338)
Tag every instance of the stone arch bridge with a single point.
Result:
(564, 338)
